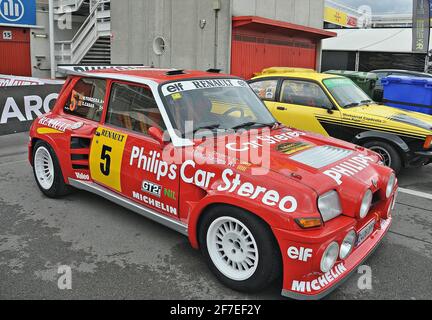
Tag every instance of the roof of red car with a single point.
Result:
(159, 75)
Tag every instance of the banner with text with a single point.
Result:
(20, 105)
(421, 26)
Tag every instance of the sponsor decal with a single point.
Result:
(78, 101)
(272, 198)
(292, 147)
(154, 203)
(244, 167)
(301, 254)
(261, 141)
(151, 188)
(349, 168)
(200, 178)
(55, 124)
(170, 194)
(85, 68)
(82, 176)
(176, 87)
(232, 183)
(113, 135)
(321, 282)
(362, 118)
(106, 157)
(152, 163)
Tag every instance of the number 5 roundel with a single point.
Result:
(106, 156)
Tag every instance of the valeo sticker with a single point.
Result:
(106, 157)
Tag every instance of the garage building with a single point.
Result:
(237, 36)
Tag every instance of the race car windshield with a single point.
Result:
(346, 93)
(214, 104)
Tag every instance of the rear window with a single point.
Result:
(87, 99)
(266, 89)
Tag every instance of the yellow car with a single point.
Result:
(334, 106)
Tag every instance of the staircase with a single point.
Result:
(91, 44)
(99, 53)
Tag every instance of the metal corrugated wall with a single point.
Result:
(251, 54)
(15, 52)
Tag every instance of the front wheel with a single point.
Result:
(389, 154)
(47, 171)
(239, 248)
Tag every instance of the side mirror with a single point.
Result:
(157, 134)
(329, 109)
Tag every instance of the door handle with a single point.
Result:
(281, 108)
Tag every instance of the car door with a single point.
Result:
(85, 105)
(126, 159)
(303, 104)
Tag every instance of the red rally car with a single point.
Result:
(199, 152)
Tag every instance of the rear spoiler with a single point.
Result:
(71, 69)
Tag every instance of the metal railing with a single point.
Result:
(67, 6)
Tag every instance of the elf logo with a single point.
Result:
(301, 254)
(11, 10)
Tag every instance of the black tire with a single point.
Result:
(59, 188)
(392, 157)
(269, 267)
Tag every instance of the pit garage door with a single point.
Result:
(15, 51)
(259, 43)
(252, 54)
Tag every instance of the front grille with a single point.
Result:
(322, 156)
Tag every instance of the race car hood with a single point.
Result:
(318, 162)
(386, 114)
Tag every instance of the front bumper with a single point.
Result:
(424, 154)
(303, 279)
(419, 158)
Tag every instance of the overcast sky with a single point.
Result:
(381, 6)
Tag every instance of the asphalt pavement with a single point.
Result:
(115, 254)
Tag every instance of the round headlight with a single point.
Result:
(366, 204)
(390, 185)
(348, 244)
(329, 257)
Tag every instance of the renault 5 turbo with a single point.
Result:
(180, 148)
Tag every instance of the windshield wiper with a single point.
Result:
(252, 124)
(207, 127)
(352, 105)
(366, 102)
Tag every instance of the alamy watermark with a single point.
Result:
(365, 280)
(64, 281)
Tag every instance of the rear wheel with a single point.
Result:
(47, 171)
(389, 154)
(239, 248)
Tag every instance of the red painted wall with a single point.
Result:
(253, 51)
(15, 53)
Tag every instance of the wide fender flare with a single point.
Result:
(61, 153)
(269, 216)
(394, 139)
